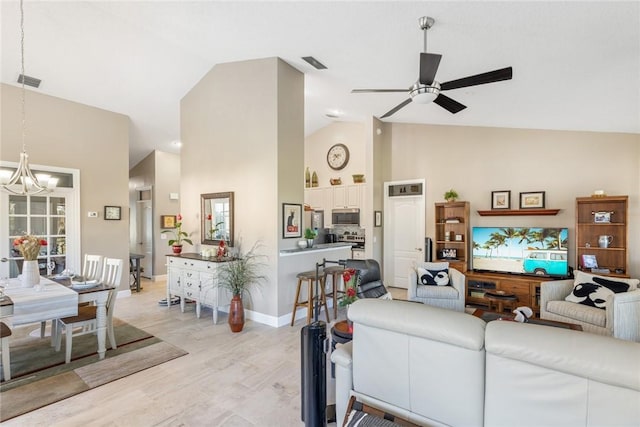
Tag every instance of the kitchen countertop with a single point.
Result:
(316, 248)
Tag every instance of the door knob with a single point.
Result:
(419, 249)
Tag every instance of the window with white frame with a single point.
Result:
(53, 217)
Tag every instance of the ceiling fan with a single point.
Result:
(426, 89)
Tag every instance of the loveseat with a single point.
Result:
(438, 367)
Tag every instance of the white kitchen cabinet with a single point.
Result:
(193, 277)
(347, 196)
(357, 254)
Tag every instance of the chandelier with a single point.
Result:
(23, 182)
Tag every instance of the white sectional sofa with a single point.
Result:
(438, 367)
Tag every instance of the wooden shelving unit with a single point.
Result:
(518, 212)
(616, 256)
(445, 214)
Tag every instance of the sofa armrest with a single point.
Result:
(623, 315)
(412, 284)
(457, 280)
(343, 358)
(556, 290)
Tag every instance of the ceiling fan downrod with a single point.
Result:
(426, 22)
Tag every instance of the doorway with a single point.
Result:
(404, 229)
(144, 232)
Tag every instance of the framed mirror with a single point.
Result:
(216, 211)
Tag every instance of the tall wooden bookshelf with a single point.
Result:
(603, 216)
(453, 232)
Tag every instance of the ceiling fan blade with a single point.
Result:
(378, 90)
(396, 108)
(479, 79)
(429, 63)
(449, 104)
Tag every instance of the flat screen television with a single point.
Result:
(521, 250)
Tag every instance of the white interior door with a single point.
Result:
(144, 236)
(404, 233)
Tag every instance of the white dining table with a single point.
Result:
(52, 300)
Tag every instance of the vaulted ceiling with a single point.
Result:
(576, 65)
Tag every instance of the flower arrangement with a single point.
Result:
(29, 246)
(351, 280)
(180, 236)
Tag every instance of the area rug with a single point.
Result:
(39, 376)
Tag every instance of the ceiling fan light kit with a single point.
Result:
(427, 89)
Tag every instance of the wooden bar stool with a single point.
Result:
(5, 333)
(335, 272)
(309, 277)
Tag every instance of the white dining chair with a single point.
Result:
(85, 321)
(92, 267)
(91, 270)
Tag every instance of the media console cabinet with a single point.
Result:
(193, 277)
(525, 288)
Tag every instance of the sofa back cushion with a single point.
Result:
(543, 376)
(424, 360)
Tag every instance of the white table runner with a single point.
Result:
(49, 300)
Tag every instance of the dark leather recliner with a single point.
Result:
(371, 285)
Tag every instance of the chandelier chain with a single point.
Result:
(24, 94)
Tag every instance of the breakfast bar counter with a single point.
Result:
(320, 247)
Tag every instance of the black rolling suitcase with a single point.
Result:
(314, 374)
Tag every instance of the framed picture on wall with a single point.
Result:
(291, 220)
(112, 212)
(377, 219)
(167, 221)
(532, 200)
(501, 199)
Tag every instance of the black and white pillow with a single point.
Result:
(593, 291)
(433, 274)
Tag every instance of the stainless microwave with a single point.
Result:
(345, 216)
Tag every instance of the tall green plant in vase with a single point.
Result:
(244, 272)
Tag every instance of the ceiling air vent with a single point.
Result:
(313, 61)
(29, 81)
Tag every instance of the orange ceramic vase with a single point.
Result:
(236, 314)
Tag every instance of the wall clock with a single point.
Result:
(338, 156)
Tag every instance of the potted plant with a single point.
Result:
(179, 236)
(310, 234)
(238, 276)
(451, 196)
(351, 279)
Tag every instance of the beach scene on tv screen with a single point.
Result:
(541, 251)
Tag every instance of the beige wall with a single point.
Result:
(242, 130)
(316, 145)
(475, 161)
(70, 135)
(159, 171)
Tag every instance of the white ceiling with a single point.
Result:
(576, 65)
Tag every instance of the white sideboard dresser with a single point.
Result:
(191, 276)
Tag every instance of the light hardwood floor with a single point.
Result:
(246, 379)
